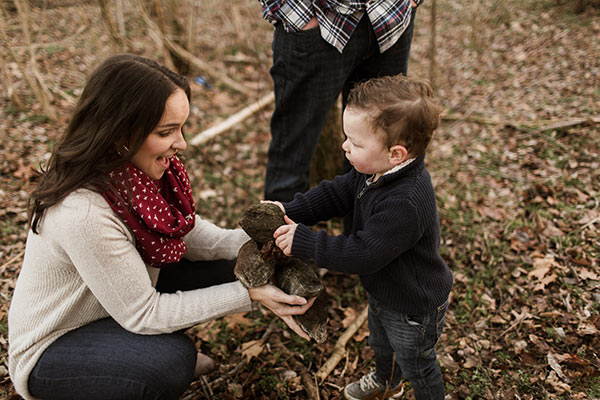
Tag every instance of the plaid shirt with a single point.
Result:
(338, 18)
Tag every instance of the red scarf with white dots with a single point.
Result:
(159, 213)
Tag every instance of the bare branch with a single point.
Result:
(232, 121)
(340, 345)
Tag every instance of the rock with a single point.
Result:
(250, 268)
(314, 321)
(261, 220)
(293, 276)
(260, 260)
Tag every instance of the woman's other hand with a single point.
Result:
(282, 304)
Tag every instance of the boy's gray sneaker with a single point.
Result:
(368, 388)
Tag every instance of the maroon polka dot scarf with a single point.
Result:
(161, 212)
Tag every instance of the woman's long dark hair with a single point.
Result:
(121, 104)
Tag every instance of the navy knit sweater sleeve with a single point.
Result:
(394, 245)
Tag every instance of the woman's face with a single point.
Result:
(166, 139)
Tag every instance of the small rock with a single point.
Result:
(261, 220)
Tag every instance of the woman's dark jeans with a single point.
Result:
(102, 360)
(404, 346)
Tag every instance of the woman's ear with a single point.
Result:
(397, 154)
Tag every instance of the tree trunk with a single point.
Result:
(328, 158)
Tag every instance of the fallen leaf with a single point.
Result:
(234, 320)
(586, 329)
(541, 266)
(252, 349)
(557, 385)
(350, 315)
(519, 346)
(585, 273)
(553, 362)
(446, 361)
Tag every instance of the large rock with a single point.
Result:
(293, 276)
(314, 321)
(260, 221)
(250, 268)
(260, 261)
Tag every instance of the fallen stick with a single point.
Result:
(340, 345)
(525, 125)
(569, 124)
(232, 121)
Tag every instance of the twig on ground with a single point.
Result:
(18, 256)
(232, 120)
(340, 345)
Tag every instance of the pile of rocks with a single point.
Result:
(260, 262)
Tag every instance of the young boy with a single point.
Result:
(394, 243)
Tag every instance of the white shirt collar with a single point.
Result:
(391, 171)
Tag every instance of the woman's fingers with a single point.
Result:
(295, 327)
(287, 309)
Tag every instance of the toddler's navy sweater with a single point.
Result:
(395, 239)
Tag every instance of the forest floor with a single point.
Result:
(518, 192)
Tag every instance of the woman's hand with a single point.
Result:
(282, 304)
(284, 235)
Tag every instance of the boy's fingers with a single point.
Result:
(280, 231)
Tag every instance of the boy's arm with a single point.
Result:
(390, 231)
(327, 200)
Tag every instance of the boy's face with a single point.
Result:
(363, 145)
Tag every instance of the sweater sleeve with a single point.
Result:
(100, 247)
(207, 241)
(391, 230)
(327, 200)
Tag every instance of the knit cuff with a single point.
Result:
(303, 245)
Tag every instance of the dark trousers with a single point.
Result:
(308, 75)
(101, 360)
(404, 346)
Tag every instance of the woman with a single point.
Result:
(117, 263)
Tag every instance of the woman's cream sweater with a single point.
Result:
(83, 266)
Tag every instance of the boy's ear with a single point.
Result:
(398, 154)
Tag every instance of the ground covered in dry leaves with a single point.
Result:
(518, 194)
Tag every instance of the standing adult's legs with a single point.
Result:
(308, 75)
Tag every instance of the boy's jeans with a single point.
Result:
(412, 339)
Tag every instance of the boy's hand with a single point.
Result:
(274, 202)
(284, 235)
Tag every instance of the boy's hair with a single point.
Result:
(404, 108)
